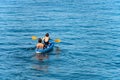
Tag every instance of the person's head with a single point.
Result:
(47, 34)
(39, 40)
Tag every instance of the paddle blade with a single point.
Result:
(34, 38)
(57, 40)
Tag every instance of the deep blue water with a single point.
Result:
(89, 31)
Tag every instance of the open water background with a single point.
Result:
(89, 31)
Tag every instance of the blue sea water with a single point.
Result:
(90, 39)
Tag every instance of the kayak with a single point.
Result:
(47, 49)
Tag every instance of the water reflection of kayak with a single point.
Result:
(47, 49)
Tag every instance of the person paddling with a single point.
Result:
(46, 39)
(40, 45)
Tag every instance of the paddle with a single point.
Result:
(34, 38)
(56, 40)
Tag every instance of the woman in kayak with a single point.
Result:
(40, 45)
(46, 39)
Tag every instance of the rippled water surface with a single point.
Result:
(89, 31)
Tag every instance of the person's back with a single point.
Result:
(40, 45)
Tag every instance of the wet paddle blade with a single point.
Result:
(57, 40)
(34, 38)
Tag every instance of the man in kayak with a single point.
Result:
(40, 45)
(46, 39)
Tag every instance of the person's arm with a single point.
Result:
(43, 38)
(49, 38)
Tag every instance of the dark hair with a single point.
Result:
(47, 34)
(39, 40)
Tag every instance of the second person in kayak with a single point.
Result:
(46, 39)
